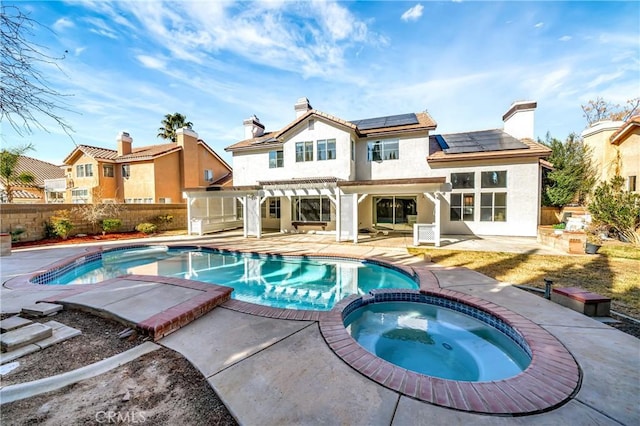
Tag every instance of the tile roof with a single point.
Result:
(618, 136)
(149, 152)
(99, 153)
(425, 122)
(40, 170)
(20, 193)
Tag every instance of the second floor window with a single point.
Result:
(107, 170)
(84, 170)
(304, 151)
(208, 175)
(326, 149)
(383, 150)
(276, 159)
(126, 171)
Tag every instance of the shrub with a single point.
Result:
(110, 225)
(15, 234)
(61, 223)
(163, 221)
(561, 225)
(146, 227)
(618, 209)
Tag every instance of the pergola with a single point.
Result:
(215, 210)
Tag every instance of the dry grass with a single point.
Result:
(614, 273)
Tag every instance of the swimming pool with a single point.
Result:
(439, 341)
(290, 282)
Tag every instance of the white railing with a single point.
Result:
(205, 225)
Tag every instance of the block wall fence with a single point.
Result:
(32, 218)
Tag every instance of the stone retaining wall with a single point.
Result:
(571, 242)
(32, 218)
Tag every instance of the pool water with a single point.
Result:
(436, 341)
(292, 283)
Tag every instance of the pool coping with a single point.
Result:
(552, 378)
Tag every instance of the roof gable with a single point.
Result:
(620, 135)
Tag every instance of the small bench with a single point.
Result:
(323, 225)
(583, 301)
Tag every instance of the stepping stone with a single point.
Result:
(17, 353)
(24, 335)
(41, 309)
(12, 323)
(61, 333)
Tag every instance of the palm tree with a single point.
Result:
(171, 123)
(9, 172)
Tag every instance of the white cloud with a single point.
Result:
(565, 38)
(151, 62)
(102, 28)
(78, 50)
(62, 24)
(413, 14)
(539, 25)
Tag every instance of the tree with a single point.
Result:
(25, 94)
(9, 172)
(171, 123)
(573, 174)
(599, 109)
(611, 205)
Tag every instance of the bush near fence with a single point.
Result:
(32, 218)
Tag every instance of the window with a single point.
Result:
(84, 170)
(462, 206)
(208, 175)
(383, 150)
(128, 200)
(493, 207)
(353, 150)
(148, 201)
(311, 209)
(107, 170)
(126, 171)
(276, 159)
(79, 196)
(462, 180)
(493, 179)
(310, 124)
(271, 208)
(304, 151)
(631, 184)
(55, 197)
(162, 200)
(326, 149)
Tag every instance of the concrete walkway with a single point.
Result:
(274, 372)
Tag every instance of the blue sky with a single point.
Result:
(131, 62)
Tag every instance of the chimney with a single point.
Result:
(252, 127)
(518, 120)
(302, 106)
(187, 139)
(124, 143)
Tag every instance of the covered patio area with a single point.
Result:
(346, 209)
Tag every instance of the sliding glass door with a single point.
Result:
(395, 213)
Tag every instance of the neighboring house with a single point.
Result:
(386, 174)
(147, 174)
(615, 149)
(34, 192)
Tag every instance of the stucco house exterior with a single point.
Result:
(385, 174)
(146, 174)
(34, 192)
(615, 148)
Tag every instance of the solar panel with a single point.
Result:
(388, 121)
(483, 141)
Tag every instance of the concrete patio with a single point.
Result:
(273, 371)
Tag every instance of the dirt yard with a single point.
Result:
(158, 388)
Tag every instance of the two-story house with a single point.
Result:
(387, 174)
(147, 174)
(615, 149)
